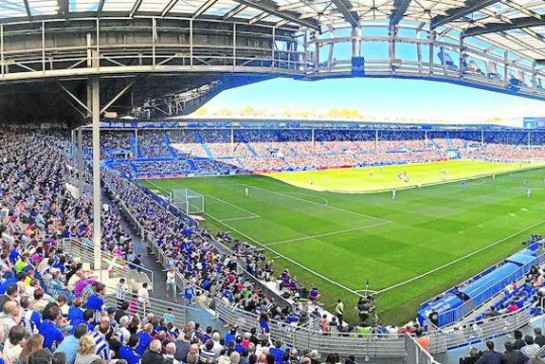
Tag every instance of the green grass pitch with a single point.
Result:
(410, 248)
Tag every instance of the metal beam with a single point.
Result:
(100, 6)
(469, 7)
(400, 7)
(169, 7)
(64, 7)
(27, 7)
(203, 8)
(135, 8)
(234, 11)
(258, 17)
(516, 23)
(272, 8)
(345, 8)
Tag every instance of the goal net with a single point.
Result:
(188, 201)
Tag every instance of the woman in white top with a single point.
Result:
(171, 283)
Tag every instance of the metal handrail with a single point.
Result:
(85, 252)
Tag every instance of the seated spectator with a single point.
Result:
(70, 344)
(86, 351)
(153, 354)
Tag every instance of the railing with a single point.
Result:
(85, 252)
(415, 353)
(307, 337)
(158, 307)
(482, 330)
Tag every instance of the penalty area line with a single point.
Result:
(286, 258)
(309, 237)
(318, 204)
(461, 258)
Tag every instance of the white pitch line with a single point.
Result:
(285, 257)
(319, 204)
(233, 205)
(156, 185)
(461, 258)
(241, 218)
(308, 237)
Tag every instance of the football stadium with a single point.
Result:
(137, 226)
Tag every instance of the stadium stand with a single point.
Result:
(254, 148)
(48, 292)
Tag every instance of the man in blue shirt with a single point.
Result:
(128, 352)
(49, 330)
(95, 302)
(144, 339)
(231, 336)
(277, 352)
(70, 344)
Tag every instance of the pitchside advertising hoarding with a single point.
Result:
(534, 123)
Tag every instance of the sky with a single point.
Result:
(383, 99)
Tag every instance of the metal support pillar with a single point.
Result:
(81, 167)
(356, 42)
(97, 205)
(232, 141)
(376, 139)
(135, 143)
(432, 41)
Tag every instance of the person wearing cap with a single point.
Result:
(512, 356)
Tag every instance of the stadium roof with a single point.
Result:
(515, 25)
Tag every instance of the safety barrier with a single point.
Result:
(160, 308)
(84, 252)
(482, 330)
(415, 353)
(307, 337)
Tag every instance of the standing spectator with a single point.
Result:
(512, 356)
(519, 342)
(143, 297)
(121, 290)
(339, 311)
(424, 341)
(530, 349)
(539, 339)
(171, 283)
(490, 356)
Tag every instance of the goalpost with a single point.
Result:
(188, 201)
